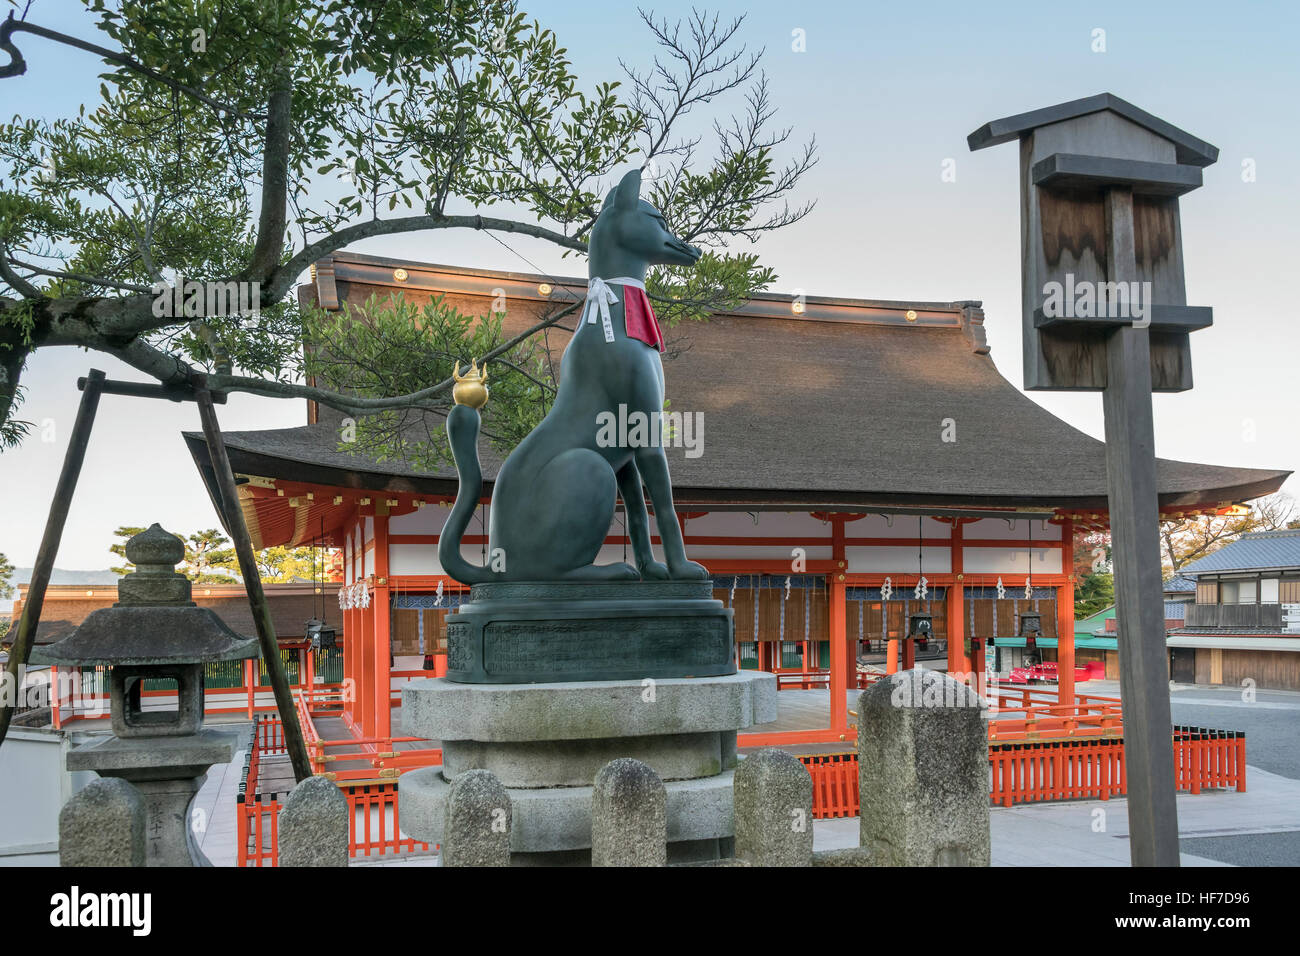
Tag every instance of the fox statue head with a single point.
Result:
(630, 235)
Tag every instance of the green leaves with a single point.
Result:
(401, 116)
(391, 347)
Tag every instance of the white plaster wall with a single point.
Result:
(901, 560)
(1010, 560)
(1020, 529)
(779, 524)
(423, 558)
(414, 559)
(33, 788)
(904, 526)
(426, 520)
(778, 554)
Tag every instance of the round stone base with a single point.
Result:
(439, 709)
(546, 743)
(575, 763)
(559, 818)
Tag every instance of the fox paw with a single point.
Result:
(688, 571)
(653, 571)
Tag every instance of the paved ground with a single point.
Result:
(1217, 828)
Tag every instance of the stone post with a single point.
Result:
(103, 825)
(313, 826)
(923, 772)
(773, 799)
(476, 827)
(629, 816)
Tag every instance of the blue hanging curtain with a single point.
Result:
(427, 602)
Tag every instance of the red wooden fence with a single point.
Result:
(1055, 770)
(375, 824)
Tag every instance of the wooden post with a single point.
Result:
(1065, 619)
(1114, 149)
(380, 604)
(958, 662)
(250, 682)
(308, 672)
(842, 662)
(21, 650)
(1135, 540)
(365, 661)
(233, 519)
(56, 695)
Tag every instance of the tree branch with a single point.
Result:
(18, 66)
(280, 281)
(275, 179)
(13, 279)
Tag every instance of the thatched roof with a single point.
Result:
(851, 403)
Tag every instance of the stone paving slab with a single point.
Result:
(1063, 834)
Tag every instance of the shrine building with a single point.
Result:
(861, 463)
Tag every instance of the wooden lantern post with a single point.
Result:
(1105, 309)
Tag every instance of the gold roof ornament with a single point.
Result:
(471, 388)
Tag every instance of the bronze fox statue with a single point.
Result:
(555, 495)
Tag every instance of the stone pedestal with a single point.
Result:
(547, 742)
(589, 630)
(167, 771)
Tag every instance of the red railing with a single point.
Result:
(1055, 770)
(257, 815)
(374, 824)
(1082, 769)
(383, 759)
(835, 784)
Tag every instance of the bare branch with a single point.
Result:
(14, 280)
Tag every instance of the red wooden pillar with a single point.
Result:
(365, 714)
(351, 633)
(349, 686)
(250, 681)
(307, 674)
(958, 662)
(363, 658)
(382, 617)
(843, 663)
(1065, 618)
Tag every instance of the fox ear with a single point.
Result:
(628, 191)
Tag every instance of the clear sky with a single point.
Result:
(890, 91)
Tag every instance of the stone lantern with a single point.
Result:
(155, 632)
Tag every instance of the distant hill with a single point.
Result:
(58, 576)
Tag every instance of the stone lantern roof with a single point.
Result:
(154, 622)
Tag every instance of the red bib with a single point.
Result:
(640, 318)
